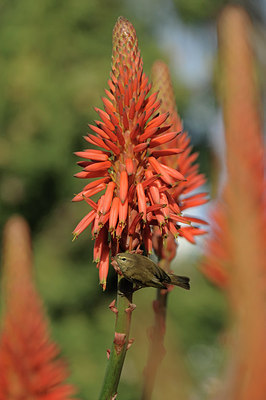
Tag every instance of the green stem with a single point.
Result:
(156, 349)
(123, 312)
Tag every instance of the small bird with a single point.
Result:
(143, 272)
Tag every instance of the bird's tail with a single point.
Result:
(181, 281)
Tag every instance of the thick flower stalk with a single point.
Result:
(138, 190)
(246, 203)
(29, 363)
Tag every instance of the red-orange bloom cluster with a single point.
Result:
(180, 196)
(29, 364)
(140, 191)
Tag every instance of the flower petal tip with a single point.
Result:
(75, 236)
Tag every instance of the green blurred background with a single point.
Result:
(54, 65)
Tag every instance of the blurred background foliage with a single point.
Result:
(55, 59)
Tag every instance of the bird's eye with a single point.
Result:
(123, 259)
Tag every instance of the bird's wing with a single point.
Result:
(155, 282)
(162, 275)
(155, 271)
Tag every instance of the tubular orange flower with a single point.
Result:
(129, 166)
(129, 133)
(123, 210)
(86, 193)
(103, 265)
(166, 152)
(108, 197)
(141, 200)
(84, 223)
(100, 165)
(99, 241)
(123, 186)
(114, 213)
(165, 138)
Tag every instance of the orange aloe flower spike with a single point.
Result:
(128, 128)
(29, 364)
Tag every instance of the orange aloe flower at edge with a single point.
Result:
(29, 363)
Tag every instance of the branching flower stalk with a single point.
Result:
(139, 190)
(185, 197)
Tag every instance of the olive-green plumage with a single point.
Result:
(143, 272)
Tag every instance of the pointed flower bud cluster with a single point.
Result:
(136, 187)
(183, 194)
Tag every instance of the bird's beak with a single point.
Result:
(114, 263)
(116, 257)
